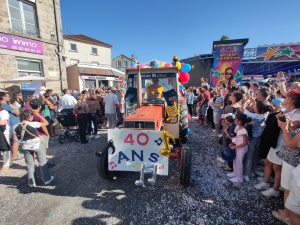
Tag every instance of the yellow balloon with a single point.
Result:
(178, 65)
(161, 64)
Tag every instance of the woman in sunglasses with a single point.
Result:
(228, 78)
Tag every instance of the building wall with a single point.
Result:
(73, 77)
(122, 59)
(49, 60)
(84, 53)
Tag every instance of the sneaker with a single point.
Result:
(262, 186)
(236, 180)
(270, 193)
(205, 124)
(97, 136)
(220, 135)
(230, 174)
(221, 160)
(16, 159)
(32, 185)
(253, 175)
(260, 178)
(246, 178)
(49, 181)
(214, 130)
(226, 168)
(260, 174)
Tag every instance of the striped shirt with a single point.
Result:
(219, 99)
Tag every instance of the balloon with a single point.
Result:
(227, 154)
(186, 68)
(133, 67)
(178, 65)
(189, 117)
(181, 86)
(161, 64)
(143, 66)
(168, 65)
(188, 130)
(182, 63)
(132, 64)
(184, 77)
(155, 66)
(189, 126)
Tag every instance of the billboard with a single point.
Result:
(278, 53)
(227, 66)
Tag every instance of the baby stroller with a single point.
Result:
(67, 119)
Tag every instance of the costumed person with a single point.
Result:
(154, 90)
(176, 63)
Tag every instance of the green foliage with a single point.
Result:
(224, 38)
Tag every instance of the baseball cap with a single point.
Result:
(277, 101)
(295, 84)
(229, 117)
(43, 88)
(1, 90)
(243, 90)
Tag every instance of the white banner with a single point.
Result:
(135, 147)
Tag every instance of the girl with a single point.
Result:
(17, 96)
(217, 107)
(240, 144)
(258, 118)
(27, 133)
(5, 143)
(82, 110)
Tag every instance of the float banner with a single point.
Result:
(278, 53)
(136, 147)
(227, 64)
(21, 44)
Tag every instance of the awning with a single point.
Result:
(99, 70)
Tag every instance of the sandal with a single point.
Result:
(279, 215)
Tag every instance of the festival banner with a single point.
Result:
(227, 65)
(278, 53)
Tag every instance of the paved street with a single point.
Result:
(79, 196)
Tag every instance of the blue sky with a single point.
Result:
(159, 29)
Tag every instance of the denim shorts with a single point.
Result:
(204, 109)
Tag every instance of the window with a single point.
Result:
(23, 17)
(125, 64)
(119, 64)
(74, 61)
(95, 64)
(73, 47)
(29, 67)
(94, 51)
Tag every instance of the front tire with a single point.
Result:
(102, 166)
(183, 124)
(61, 139)
(185, 166)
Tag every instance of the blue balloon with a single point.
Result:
(132, 64)
(155, 66)
(186, 68)
(188, 130)
(228, 154)
(181, 87)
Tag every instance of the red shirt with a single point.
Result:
(206, 96)
(37, 119)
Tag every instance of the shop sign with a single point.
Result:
(21, 44)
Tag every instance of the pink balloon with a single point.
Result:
(189, 118)
(143, 66)
(184, 77)
(168, 65)
(182, 63)
(189, 126)
(133, 67)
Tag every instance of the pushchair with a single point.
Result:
(67, 119)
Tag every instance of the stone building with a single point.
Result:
(31, 43)
(122, 62)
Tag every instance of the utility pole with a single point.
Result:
(69, 28)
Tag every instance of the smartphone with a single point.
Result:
(282, 118)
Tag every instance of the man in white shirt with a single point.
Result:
(111, 104)
(67, 101)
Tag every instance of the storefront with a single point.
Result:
(92, 82)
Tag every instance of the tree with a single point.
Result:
(224, 38)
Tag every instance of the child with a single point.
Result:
(240, 144)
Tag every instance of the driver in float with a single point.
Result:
(154, 90)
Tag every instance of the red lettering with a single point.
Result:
(142, 143)
(129, 139)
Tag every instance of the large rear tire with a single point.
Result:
(185, 166)
(102, 166)
(183, 124)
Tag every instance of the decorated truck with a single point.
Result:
(154, 130)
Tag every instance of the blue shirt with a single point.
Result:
(13, 119)
(230, 131)
(191, 98)
(258, 122)
(74, 95)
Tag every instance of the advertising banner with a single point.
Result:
(21, 44)
(30, 89)
(227, 66)
(135, 147)
(278, 53)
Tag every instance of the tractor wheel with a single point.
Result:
(183, 124)
(102, 166)
(185, 166)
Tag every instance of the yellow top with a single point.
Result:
(155, 89)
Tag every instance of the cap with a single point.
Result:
(43, 88)
(175, 57)
(229, 117)
(1, 90)
(243, 90)
(277, 101)
(295, 84)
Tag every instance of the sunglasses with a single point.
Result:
(228, 74)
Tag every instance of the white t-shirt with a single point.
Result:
(33, 143)
(67, 102)
(122, 109)
(4, 115)
(110, 101)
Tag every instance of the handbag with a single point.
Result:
(23, 133)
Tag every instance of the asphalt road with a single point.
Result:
(79, 196)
